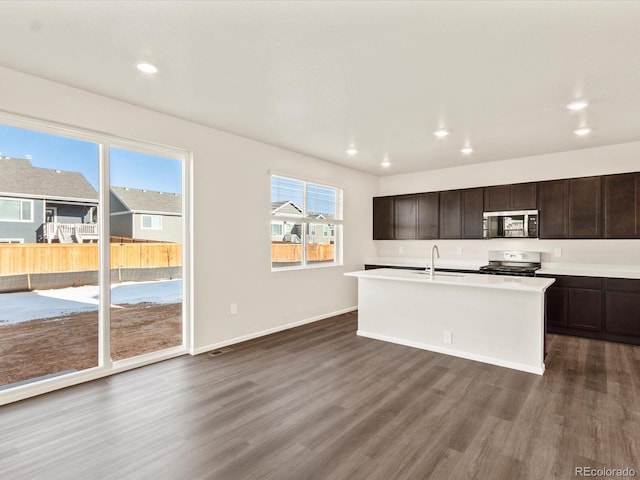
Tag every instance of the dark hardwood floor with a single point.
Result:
(318, 402)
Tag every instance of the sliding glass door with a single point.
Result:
(49, 279)
(92, 255)
(146, 222)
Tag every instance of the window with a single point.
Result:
(16, 210)
(276, 230)
(152, 222)
(312, 217)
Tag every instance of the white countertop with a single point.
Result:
(631, 271)
(462, 279)
(591, 270)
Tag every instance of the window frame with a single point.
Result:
(305, 221)
(21, 201)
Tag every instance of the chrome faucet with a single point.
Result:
(434, 250)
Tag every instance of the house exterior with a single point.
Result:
(45, 205)
(287, 231)
(146, 214)
(281, 229)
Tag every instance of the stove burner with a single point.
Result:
(519, 270)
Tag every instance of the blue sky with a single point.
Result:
(128, 169)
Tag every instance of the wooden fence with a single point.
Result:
(17, 259)
(292, 252)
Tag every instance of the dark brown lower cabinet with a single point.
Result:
(593, 307)
(574, 303)
(622, 299)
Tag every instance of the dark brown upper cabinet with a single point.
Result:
(461, 213)
(520, 196)
(585, 207)
(622, 205)
(405, 214)
(553, 206)
(570, 208)
(472, 207)
(383, 218)
(451, 214)
(428, 215)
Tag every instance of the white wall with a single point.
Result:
(620, 158)
(576, 163)
(227, 170)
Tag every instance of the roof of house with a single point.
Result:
(149, 201)
(18, 177)
(285, 207)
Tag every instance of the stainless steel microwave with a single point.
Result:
(516, 224)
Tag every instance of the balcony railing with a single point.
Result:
(68, 232)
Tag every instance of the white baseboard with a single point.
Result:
(469, 356)
(251, 336)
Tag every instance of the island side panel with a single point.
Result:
(501, 327)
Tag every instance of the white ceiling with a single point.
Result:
(315, 77)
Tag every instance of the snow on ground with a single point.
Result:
(25, 306)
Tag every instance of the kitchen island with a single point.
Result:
(494, 319)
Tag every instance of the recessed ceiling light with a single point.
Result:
(147, 68)
(578, 105)
(352, 151)
(467, 150)
(441, 133)
(386, 164)
(582, 131)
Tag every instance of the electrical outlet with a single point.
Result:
(234, 309)
(557, 252)
(459, 250)
(448, 338)
(400, 250)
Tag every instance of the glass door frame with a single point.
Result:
(106, 366)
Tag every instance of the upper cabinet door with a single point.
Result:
(553, 202)
(383, 218)
(451, 214)
(428, 215)
(585, 207)
(472, 207)
(405, 217)
(519, 196)
(622, 205)
(524, 196)
(497, 199)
